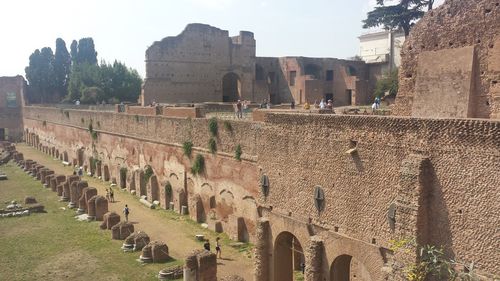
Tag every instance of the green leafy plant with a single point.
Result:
(93, 134)
(212, 126)
(198, 165)
(228, 126)
(237, 152)
(212, 145)
(91, 128)
(187, 147)
(148, 173)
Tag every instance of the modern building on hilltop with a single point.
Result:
(382, 48)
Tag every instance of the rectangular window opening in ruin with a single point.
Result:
(329, 75)
(293, 74)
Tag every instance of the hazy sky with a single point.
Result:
(123, 29)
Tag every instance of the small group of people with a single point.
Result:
(376, 103)
(324, 105)
(218, 251)
(110, 195)
(240, 107)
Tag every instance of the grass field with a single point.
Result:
(55, 246)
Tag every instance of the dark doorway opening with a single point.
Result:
(2, 134)
(231, 87)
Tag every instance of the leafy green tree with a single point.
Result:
(389, 83)
(40, 75)
(120, 82)
(62, 68)
(86, 52)
(398, 16)
(82, 76)
(74, 51)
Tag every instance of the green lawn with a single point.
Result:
(54, 246)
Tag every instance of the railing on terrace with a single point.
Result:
(100, 107)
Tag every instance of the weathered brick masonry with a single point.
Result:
(442, 176)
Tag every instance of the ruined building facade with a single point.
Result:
(11, 102)
(204, 64)
(452, 69)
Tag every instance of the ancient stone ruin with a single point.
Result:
(97, 206)
(121, 230)
(87, 193)
(200, 265)
(155, 251)
(109, 220)
(136, 241)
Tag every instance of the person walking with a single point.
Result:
(218, 251)
(239, 112)
(126, 211)
(111, 195)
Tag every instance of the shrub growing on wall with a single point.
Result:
(212, 126)
(212, 145)
(198, 165)
(187, 147)
(237, 153)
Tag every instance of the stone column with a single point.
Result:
(262, 250)
(314, 259)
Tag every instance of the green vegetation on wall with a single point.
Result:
(237, 153)
(212, 126)
(187, 147)
(212, 145)
(198, 165)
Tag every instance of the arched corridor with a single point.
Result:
(347, 268)
(288, 257)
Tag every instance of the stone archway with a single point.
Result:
(231, 87)
(288, 257)
(346, 268)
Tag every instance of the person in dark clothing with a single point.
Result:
(206, 246)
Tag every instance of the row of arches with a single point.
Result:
(289, 262)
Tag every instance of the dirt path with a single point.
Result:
(158, 224)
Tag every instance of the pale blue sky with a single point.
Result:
(123, 29)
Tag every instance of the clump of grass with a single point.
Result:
(237, 152)
(198, 165)
(212, 126)
(212, 145)
(187, 147)
(91, 128)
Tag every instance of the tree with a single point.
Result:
(62, 68)
(86, 52)
(40, 75)
(387, 84)
(398, 16)
(74, 51)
